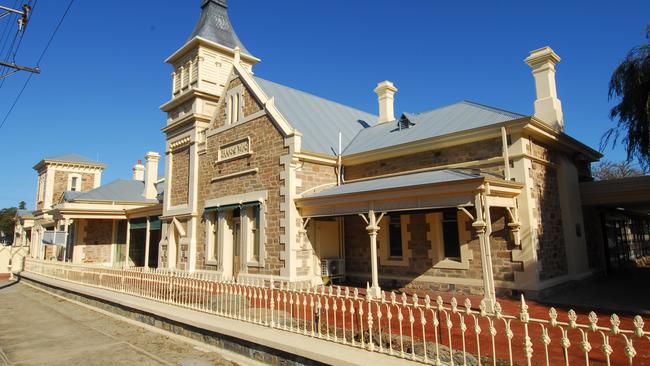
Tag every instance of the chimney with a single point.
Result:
(138, 171)
(386, 95)
(548, 107)
(151, 175)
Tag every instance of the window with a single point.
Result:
(254, 221)
(234, 105)
(120, 234)
(74, 182)
(395, 237)
(450, 234)
(212, 222)
(449, 237)
(73, 185)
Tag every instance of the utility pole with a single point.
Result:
(22, 23)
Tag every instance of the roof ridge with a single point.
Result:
(314, 96)
(493, 109)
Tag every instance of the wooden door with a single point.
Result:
(328, 239)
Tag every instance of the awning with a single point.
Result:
(231, 207)
(154, 223)
(140, 223)
(414, 191)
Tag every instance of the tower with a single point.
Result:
(201, 69)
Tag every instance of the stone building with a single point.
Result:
(265, 181)
(81, 221)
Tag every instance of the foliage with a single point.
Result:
(7, 216)
(22, 205)
(630, 83)
(606, 170)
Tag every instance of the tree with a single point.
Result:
(606, 170)
(22, 205)
(7, 223)
(630, 83)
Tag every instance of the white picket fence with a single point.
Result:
(406, 326)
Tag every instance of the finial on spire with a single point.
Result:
(218, 2)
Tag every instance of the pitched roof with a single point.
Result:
(399, 181)
(214, 25)
(318, 119)
(117, 190)
(442, 121)
(24, 213)
(73, 158)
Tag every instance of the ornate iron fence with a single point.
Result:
(406, 326)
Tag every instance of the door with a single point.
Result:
(328, 239)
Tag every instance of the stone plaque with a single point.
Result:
(234, 150)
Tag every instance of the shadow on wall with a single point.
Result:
(419, 272)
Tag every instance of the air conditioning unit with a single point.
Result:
(332, 267)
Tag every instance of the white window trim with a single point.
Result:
(74, 175)
(211, 247)
(384, 242)
(436, 251)
(248, 240)
(225, 246)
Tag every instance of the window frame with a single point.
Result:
(212, 232)
(436, 239)
(383, 237)
(234, 105)
(224, 244)
(71, 178)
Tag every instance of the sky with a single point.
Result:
(104, 77)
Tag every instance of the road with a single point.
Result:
(40, 329)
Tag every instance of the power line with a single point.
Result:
(22, 31)
(5, 32)
(47, 46)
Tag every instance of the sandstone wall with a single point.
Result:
(266, 146)
(420, 263)
(180, 177)
(551, 251)
(458, 154)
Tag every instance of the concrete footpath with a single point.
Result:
(40, 329)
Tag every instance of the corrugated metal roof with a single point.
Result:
(24, 213)
(73, 158)
(117, 190)
(318, 119)
(399, 181)
(71, 195)
(214, 25)
(453, 118)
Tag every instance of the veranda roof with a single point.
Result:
(415, 191)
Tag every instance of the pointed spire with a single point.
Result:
(214, 25)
